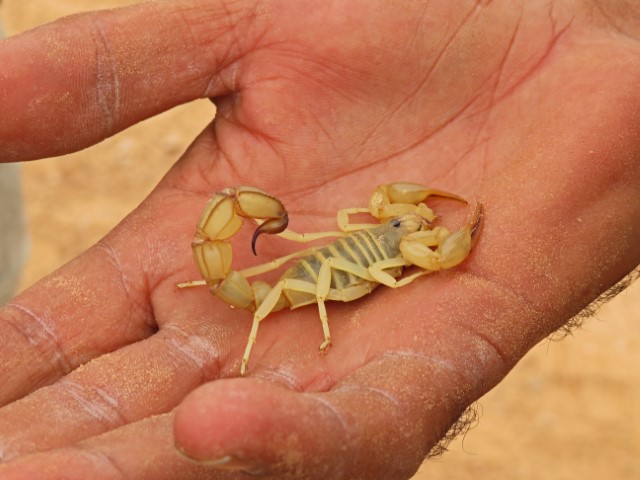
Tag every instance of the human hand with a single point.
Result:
(531, 111)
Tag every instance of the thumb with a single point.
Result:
(380, 422)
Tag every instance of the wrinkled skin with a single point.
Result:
(532, 107)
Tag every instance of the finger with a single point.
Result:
(95, 304)
(142, 450)
(83, 310)
(106, 297)
(108, 70)
(379, 423)
(195, 344)
(364, 428)
(136, 381)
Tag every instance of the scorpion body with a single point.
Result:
(365, 248)
(360, 259)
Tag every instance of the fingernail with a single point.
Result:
(227, 462)
(234, 464)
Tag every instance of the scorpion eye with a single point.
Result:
(395, 223)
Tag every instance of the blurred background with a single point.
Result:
(568, 410)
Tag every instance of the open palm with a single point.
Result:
(529, 107)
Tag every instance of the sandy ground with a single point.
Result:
(568, 410)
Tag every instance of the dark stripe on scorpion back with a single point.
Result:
(360, 247)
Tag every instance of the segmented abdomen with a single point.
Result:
(364, 247)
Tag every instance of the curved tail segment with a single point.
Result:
(219, 222)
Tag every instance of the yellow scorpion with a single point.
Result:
(363, 257)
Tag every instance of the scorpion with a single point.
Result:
(362, 257)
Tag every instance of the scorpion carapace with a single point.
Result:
(362, 257)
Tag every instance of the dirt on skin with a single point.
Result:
(568, 410)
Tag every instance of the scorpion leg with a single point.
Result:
(192, 283)
(351, 293)
(324, 286)
(308, 237)
(322, 290)
(268, 305)
(289, 234)
(344, 223)
(377, 271)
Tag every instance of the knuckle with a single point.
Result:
(95, 401)
(107, 77)
(39, 335)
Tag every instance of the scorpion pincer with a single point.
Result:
(362, 257)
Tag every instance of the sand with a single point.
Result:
(568, 410)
